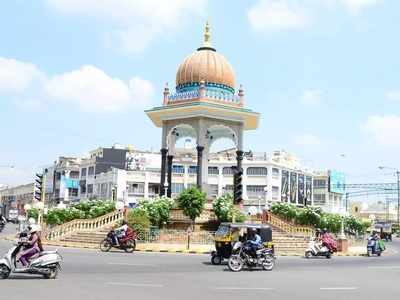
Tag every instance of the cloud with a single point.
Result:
(87, 88)
(393, 95)
(307, 140)
(272, 15)
(355, 6)
(384, 130)
(290, 15)
(17, 76)
(311, 97)
(134, 23)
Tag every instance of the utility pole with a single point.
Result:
(398, 197)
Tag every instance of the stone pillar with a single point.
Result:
(170, 159)
(199, 165)
(162, 175)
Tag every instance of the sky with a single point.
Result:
(78, 74)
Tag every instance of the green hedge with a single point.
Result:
(225, 210)
(315, 216)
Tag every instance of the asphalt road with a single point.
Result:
(89, 274)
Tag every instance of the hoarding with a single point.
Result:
(293, 187)
(285, 186)
(300, 193)
(308, 190)
(336, 182)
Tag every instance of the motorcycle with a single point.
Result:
(316, 249)
(264, 258)
(373, 249)
(46, 263)
(128, 243)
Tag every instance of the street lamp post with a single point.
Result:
(398, 190)
(165, 188)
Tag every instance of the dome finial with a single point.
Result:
(207, 35)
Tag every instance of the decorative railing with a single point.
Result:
(178, 215)
(289, 227)
(209, 93)
(63, 230)
(176, 237)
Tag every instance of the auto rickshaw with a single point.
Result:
(229, 233)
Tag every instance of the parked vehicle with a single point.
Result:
(229, 233)
(46, 263)
(13, 216)
(316, 248)
(128, 243)
(265, 258)
(375, 246)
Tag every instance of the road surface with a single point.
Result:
(90, 274)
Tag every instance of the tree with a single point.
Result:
(192, 201)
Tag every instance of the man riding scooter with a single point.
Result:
(120, 233)
(254, 241)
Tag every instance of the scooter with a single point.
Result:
(316, 249)
(372, 248)
(47, 264)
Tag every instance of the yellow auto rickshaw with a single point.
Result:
(229, 233)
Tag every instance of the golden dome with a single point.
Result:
(205, 64)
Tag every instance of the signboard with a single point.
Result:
(336, 182)
(285, 186)
(308, 190)
(301, 195)
(293, 187)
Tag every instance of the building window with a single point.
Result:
(83, 172)
(192, 169)
(73, 192)
(213, 190)
(90, 188)
(74, 174)
(320, 183)
(275, 173)
(178, 169)
(83, 189)
(319, 199)
(227, 171)
(228, 188)
(275, 193)
(91, 171)
(256, 171)
(213, 171)
(255, 191)
(58, 176)
(135, 188)
(177, 188)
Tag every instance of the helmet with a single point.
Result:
(34, 228)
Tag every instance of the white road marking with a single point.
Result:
(349, 288)
(384, 267)
(244, 289)
(130, 264)
(150, 285)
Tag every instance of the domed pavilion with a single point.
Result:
(206, 106)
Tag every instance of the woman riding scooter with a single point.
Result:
(33, 246)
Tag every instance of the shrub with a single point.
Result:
(225, 210)
(33, 213)
(157, 209)
(138, 220)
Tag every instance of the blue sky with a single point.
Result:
(77, 74)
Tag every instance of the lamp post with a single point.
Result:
(259, 204)
(165, 188)
(397, 172)
(266, 198)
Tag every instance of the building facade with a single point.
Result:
(16, 197)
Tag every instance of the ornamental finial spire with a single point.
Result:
(207, 36)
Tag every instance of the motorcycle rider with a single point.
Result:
(120, 232)
(32, 247)
(254, 241)
(3, 220)
(375, 236)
